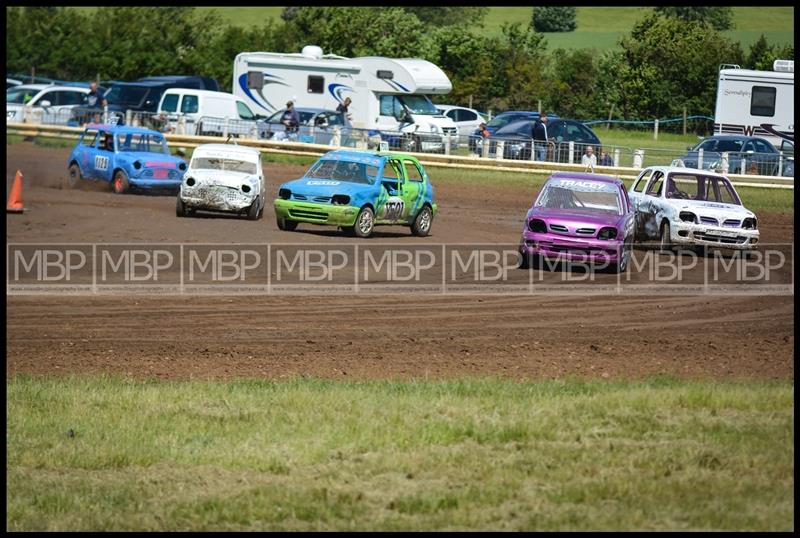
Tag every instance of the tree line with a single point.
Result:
(668, 61)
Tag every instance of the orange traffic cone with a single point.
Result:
(15, 198)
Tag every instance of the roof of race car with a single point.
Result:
(370, 157)
(586, 177)
(120, 128)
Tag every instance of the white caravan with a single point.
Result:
(387, 95)
(757, 103)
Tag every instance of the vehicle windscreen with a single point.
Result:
(226, 165)
(348, 171)
(419, 104)
(126, 95)
(144, 142)
(699, 187)
(503, 120)
(720, 146)
(20, 96)
(519, 129)
(581, 195)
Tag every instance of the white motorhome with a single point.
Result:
(387, 95)
(757, 103)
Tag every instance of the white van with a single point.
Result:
(208, 113)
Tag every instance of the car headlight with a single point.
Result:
(246, 188)
(284, 194)
(750, 223)
(608, 233)
(537, 225)
(340, 199)
(137, 164)
(435, 128)
(687, 216)
(190, 182)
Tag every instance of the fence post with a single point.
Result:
(638, 158)
(780, 163)
(743, 166)
(470, 100)
(610, 113)
(498, 153)
(655, 130)
(700, 158)
(182, 124)
(485, 148)
(336, 139)
(684, 121)
(571, 159)
(225, 128)
(539, 101)
(105, 114)
(128, 117)
(616, 157)
(724, 162)
(447, 145)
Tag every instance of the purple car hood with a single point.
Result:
(575, 217)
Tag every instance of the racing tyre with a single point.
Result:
(253, 212)
(74, 177)
(665, 245)
(422, 224)
(120, 183)
(365, 222)
(286, 225)
(180, 208)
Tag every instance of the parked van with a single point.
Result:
(757, 103)
(205, 112)
(387, 95)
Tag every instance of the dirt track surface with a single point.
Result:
(359, 336)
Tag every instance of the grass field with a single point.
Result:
(598, 27)
(112, 454)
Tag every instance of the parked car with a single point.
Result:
(125, 158)
(224, 178)
(48, 103)
(759, 155)
(11, 82)
(205, 112)
(503, 119)
(687, 206)
(316, 125)
(142, 95)
(357, 190)
(467, 120)
(517, 140)
(580, 217)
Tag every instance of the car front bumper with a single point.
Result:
(147, 183)
(687, 233)
(567, 248)
(333, 215)
(220, 199)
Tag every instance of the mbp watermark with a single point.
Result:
(375, 267)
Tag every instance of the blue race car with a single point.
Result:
(357, 190)
(125, 157)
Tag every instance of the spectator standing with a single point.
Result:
(540, 136)
(343, 109)
(605, 159)
(93, 98)
(589, 159)
(290, 118)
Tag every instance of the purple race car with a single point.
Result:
(580, 217)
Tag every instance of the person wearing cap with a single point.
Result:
(290, 118)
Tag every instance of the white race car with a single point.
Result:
(686, 206)
(224, 178)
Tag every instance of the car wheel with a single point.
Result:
(365, 222)
(665, 244)
(286, 225)
(422, 224)
(120, 183)
(74, 177)
(180, 208)
(253, 212)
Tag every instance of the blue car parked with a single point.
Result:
(503, 119)
(125, 158)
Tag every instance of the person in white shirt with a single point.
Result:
(589, 159)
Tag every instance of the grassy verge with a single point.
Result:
(103, 454)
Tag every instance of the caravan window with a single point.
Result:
(763, 101)
(316, 84)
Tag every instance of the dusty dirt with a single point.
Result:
(360, 336)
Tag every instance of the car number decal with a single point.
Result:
(393, 209)
(101, 162)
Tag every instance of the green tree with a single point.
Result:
(554, 19)
(666, 64)
(572, 83)
(762, 55)
(720, 18)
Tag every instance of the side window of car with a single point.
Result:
(451, 114)
(762, 147)
(170, 103)
(468, 115)
(89, 139)
(189, 104)
(51, 96)
(656, 184)
(413, 173)
(391, 170)
(244, 111)
(749, 146)
(638, 186)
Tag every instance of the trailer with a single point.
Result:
(388, 96)
(757, 103)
